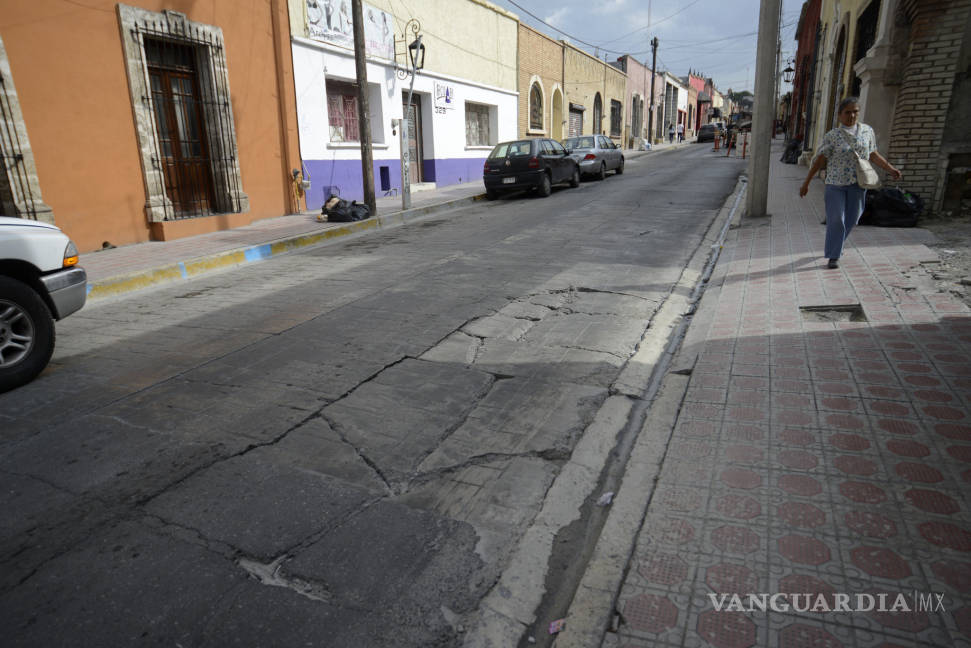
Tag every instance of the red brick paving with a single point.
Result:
(840, 452)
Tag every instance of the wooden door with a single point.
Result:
(183, 152)
(413, 113)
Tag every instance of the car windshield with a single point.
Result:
(579, 142)
(510, 149)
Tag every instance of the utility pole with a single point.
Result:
(650, 115)
(758, 171)
(363, 109)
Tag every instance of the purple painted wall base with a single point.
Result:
(343, 177)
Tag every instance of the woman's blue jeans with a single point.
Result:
(844, 204)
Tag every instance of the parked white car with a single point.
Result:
(40, 282)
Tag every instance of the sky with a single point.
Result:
(717, 38)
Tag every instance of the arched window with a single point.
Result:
(598, 114)
(535, 108)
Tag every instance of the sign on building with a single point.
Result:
(329, 21)
(444, 96)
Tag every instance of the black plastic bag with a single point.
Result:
(339, 210)
(892, 207)
(792, 152)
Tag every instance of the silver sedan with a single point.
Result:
(596, 155)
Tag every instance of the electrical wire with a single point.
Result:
(653, 24)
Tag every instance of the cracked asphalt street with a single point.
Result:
(337, 447)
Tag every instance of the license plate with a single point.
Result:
(508, 180)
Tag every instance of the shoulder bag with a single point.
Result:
(866, 175)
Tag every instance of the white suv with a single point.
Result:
(40, 282)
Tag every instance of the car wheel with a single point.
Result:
(545, 187)
(491, 194)
(620, 169)
(602, 173)
(575, 179)
(26, 334)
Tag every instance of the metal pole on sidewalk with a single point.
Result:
(650, 115)
(758, 170)
(363, 109)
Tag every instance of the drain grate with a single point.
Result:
(835, 313)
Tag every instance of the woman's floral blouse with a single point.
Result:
(840, 158)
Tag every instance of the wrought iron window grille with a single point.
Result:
(180, 90)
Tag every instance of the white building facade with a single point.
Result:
(455, 119)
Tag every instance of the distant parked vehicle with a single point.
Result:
(707, 132)
(596, 155)
(528, 164)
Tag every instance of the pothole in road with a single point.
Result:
(833, 313)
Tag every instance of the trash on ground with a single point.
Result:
(557, 626)
(606, 499)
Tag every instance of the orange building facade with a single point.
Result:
(123, 124)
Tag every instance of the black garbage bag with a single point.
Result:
(892, 207)
(792, 152)
(339, 210)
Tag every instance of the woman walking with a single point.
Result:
(844, 197)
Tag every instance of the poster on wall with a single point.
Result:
(330, 21)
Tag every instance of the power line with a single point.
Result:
(655, 23)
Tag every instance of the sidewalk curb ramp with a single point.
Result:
(510, 608)
(196, 266)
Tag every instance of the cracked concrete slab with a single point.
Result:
(436, 554)
(98, 461)
(401, 415)
(548, 363)
(26, 501)
(600, 333)
(149, 588)
(291, 503)
(520, 416)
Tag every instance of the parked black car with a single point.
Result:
(707, 132)
(528, 164)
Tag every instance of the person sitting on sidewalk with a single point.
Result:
(844, 198)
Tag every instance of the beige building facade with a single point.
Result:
(596, 90)
(564, 92)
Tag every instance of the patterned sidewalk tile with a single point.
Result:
(813, 456)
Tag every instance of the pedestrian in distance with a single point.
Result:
(670, 133)
(680, 132)
(838, 154)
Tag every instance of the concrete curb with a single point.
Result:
(591, 611)
(196, 266)
(510, 608)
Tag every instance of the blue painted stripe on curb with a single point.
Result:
(257, 252)
(90, 287)
(185, 275)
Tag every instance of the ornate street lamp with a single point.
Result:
(416, 52)
(789, 73)
(416, 59)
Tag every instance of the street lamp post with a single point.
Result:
(415, 62)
